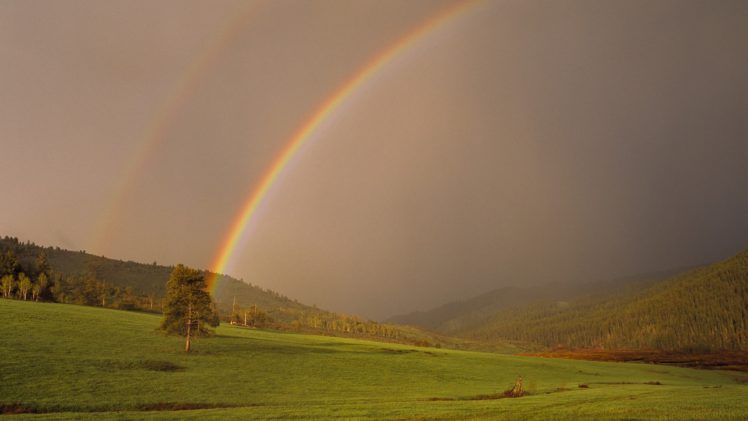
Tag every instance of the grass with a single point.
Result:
(72, 362)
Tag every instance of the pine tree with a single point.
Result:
(8, 263)
(188, 309)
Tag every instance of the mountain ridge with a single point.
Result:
(449, 316)
(703, 309)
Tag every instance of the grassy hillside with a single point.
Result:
(82, 278)
(73, 362)
(705, 309)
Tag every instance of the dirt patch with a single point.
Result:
(655, 383)
(511, 393)
(485, 397)
(16, 408)
(727, 360)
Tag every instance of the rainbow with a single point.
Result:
(308, 128)
(154, 134)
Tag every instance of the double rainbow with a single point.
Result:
(304, 133)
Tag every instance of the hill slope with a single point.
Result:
(459, 316)
(115, 365)
(705, 309)
(81, 278)
(143, 279)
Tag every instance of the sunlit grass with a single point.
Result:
(61, 359)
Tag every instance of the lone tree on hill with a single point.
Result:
(188, 310)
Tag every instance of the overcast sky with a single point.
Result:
(522, 142)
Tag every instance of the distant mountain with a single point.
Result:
(458, 316)
(701, 310)
(705, 309)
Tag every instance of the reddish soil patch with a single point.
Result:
(733, 360)
(12, 408)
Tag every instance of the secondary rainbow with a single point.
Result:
(307, 129)
(181, 91)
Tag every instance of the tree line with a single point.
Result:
(314, 320)
(25, 274)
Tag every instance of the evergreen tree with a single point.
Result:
(188, 310)
(8, 262)
(58, 289)
(42, 264)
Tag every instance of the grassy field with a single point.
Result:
(71, 362)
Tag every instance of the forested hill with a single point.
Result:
(140, 279)
(705, 309)
(473, 310)
(77, 277)
(459, 316)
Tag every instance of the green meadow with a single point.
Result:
(71, 362)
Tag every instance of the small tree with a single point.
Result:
(24, 285)
(188, 310)
(7, 284)
(42, 264)
(41, 284)
(151, 300)
(517, 391)
(58, 289)
(102, 292)
(36, 289)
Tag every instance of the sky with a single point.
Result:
(517, 143)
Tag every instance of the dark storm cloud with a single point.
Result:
(526, 142)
